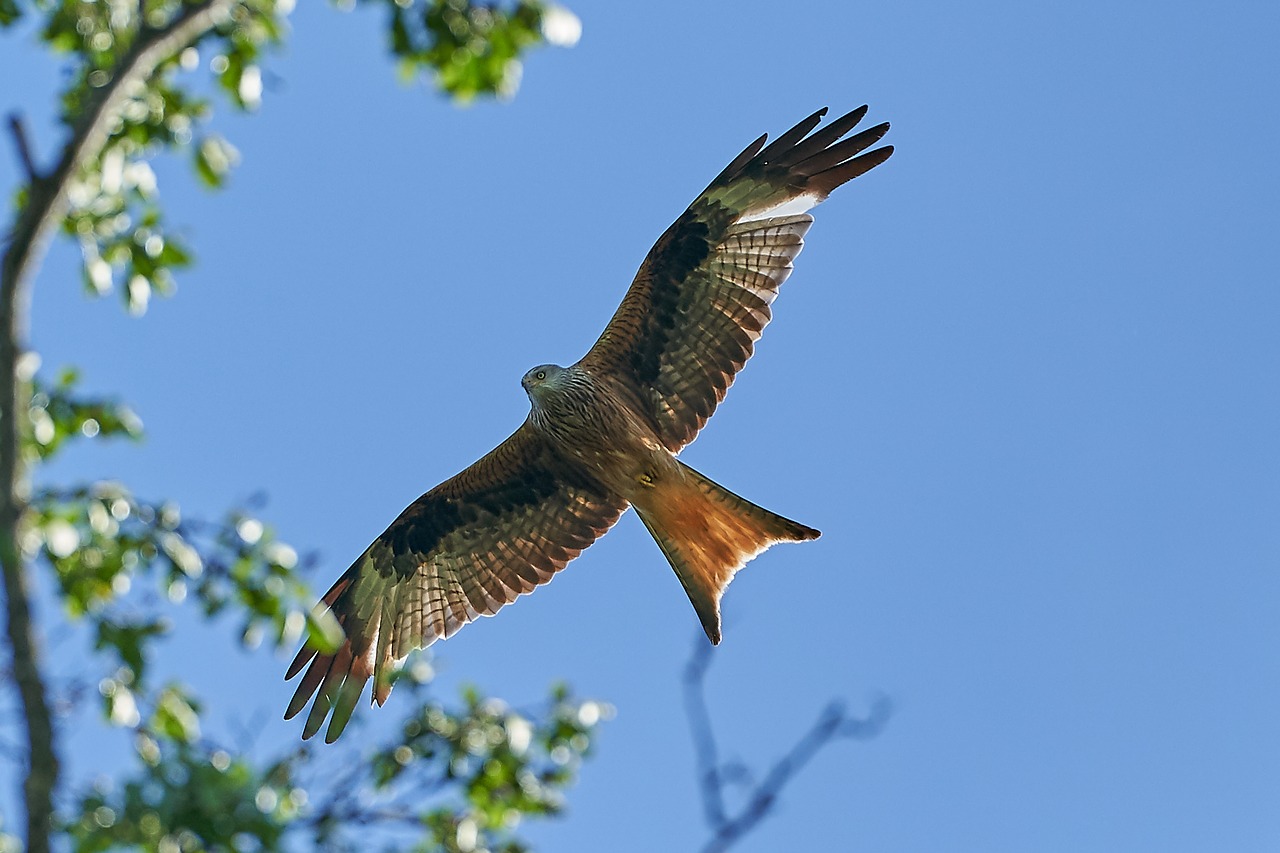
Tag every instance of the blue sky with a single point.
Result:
(1023, 379)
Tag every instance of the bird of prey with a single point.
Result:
(602, 435)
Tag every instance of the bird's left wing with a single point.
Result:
(701, 298)
(464, 549)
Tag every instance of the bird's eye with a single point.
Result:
(540, 375)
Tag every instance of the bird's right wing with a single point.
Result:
(702, 297)
(464, 549)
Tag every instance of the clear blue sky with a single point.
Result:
(1024, 379)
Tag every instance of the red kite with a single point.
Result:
(602, 435)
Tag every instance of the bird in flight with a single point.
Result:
(602, 435)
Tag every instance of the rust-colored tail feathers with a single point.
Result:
(708, 533)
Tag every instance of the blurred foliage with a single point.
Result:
(100, 540)
(472, 49)
(57, 416)
(468, 50)
(130, 572)
(462, 779)
(457, 779)
(189, 796)
(114, 210)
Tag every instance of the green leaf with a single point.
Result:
(57, 415)
(176, 716)
(128, 640)
(213, 160)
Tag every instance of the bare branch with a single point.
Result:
(833, 722)
(20, 141)
(345, 800)
(704, 740)
(45, 207)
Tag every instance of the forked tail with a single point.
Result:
(708, 533)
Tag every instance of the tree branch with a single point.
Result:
(833, 722)
(38, 219)
(710, 782)
(20, 141)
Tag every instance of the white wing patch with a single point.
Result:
(790, 207)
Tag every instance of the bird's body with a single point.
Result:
(588, 419)
(601, 432)
(602, 435)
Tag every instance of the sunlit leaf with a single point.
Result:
(57, 414)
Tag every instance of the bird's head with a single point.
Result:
(543, 379)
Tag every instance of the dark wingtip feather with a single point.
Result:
(792, 136)
(296, 704)
(838, 153)
(741, 160)
(305, 654)
(313, 722)
(348, 696)
(828, 180)
(315, 719)
(315, 675)
(823, 138)
(329, 691)
(884, 154)
(381, 689)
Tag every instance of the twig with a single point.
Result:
(36, 222)
(833, 722)
(20, 141)
(246, 734)
(704, 740)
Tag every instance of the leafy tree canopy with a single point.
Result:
(137, 86)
